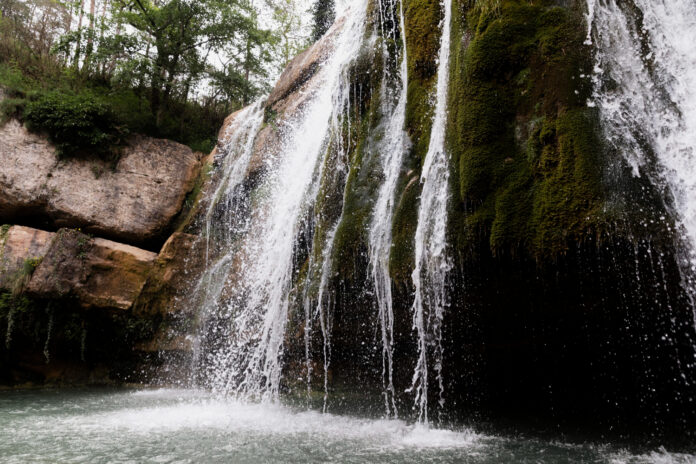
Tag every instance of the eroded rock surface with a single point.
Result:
(135, 201)
(96, 272)
(21, 249)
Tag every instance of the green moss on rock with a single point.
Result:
(524, 143)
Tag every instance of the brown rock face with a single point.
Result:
(170, 278)
(96, 272)
(21, 249)
(134, 202)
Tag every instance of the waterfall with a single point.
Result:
(229, 222)
(433, 263)
(645, 89)
(380, 234)
(250, 301)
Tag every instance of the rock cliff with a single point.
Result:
(134, 200)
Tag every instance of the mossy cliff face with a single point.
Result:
(524, 144)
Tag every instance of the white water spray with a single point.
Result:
(433, 263)
(249, 362)
(645, 88)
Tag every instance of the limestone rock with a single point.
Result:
(135, 201)
(26, 162)
(96, 272)
(21, 249)
(170, 277)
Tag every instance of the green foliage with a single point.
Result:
(323, 14)
(30, 265)
(4, 230)
(76, 124)
(173, 69)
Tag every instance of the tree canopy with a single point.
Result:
(168, 67)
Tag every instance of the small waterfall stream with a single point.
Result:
(645, 88)
(380, 236)
(433, 263)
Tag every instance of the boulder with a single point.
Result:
(134, 201)
(96, 272)
(21, 250)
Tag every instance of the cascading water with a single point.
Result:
(645, 88)
(433, 263)
(380, 238)
(237, 151)
(250, 323)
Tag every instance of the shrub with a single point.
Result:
(76, 124)
(11, 108)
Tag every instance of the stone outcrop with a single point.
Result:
(96, 272)
(171, 275)
(71, 265)
(134, 201)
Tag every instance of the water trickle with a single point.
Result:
(249, 306)
(645, 89)
(433, 262)
(49, 331)
(380, 238)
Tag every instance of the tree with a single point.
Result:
(323, 13)
(287, 25)
(183, 33)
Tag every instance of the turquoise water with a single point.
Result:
(184, 426)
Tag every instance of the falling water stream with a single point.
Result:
(253, 318)
(432, 261)
(645, 88)
(380, 238)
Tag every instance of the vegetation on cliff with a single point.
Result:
(170, 69)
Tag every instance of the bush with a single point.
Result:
(11, 108)
(76, 124)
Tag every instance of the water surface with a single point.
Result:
(184, 426)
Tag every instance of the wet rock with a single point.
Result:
(170, 276)
(295, 87)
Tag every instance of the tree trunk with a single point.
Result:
(101, 34)
(76, 59)
(90, 37)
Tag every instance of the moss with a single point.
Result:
(351, 236)
(402, 256)
(350, 240)
(190, 207)
(524, 144)
(4, 230)
(421, 18)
